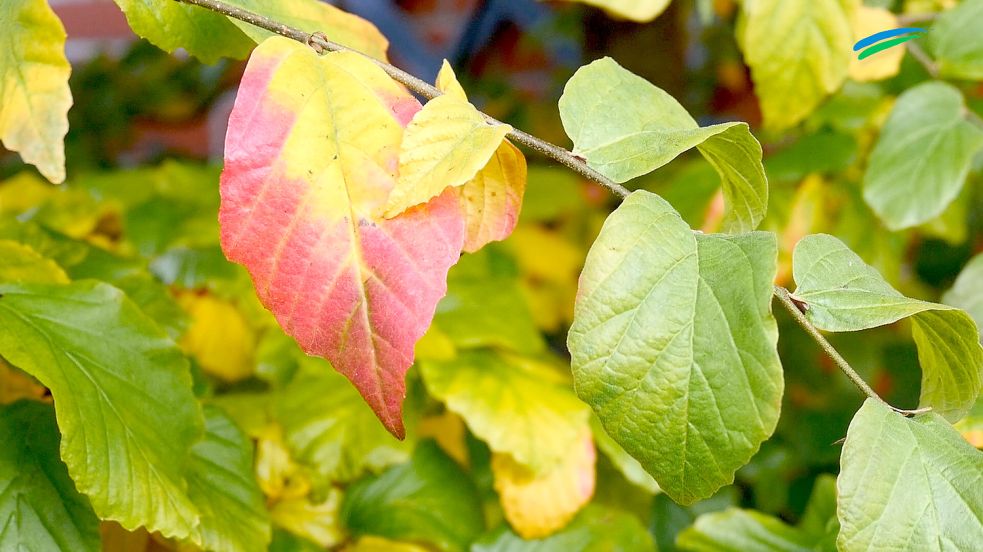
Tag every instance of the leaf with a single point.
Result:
(740, 530)
(595, 529)
(626, 464)
(641, 11)
(316, 521)
(34, 93)
(519, 406)
(347, 284)
(870, 20)
(673, 345)
(328, 426)
(843, 294)
(955, 41)
(908, 484)
(428, 499)
(446, 144)
(626, 127)
(967, 292)
(38, 502)
(219, 338)
(922, 156)
(122, 394)
(21, 264)
(221, 484)
(537, 505)
(798, 51)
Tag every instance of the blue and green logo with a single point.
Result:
(896, 36)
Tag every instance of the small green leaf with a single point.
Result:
(519, 406)
(908, 484)
(956, 43)
(673, 345)
(844, 294)
(122, 393)
(798, 52)
(38, 502)
(328, 426)
(967, 292)
(595, 529)
(922, 156)
(626, 127)
(429, 499)
(222, 485)
(34, 93)
(20, 263)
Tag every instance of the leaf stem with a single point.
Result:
(923, 58)
(792, 305)
(320, 43)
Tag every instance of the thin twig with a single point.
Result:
(923, 58)
(792, 306)
(321, 44)
(912, 18)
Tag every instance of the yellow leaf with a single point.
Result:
(317, 522)
(448, 430)
(550, 279)
(448, 84)
(34, 93)
(219, 337)
(636, 10)
(378, 544)
(23, 191)
(539, 506)
(278, 476)
(884, 64)
(21, 264)
(445, 145)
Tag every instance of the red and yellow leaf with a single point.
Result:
(312, 156)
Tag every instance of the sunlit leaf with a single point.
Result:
(908, 484)
(956, 43)
(844, 294)
(922, 156)
(673, 345)
(122, 394)
(310, 154)
(219, 337)
(870, 20)
(34, 93)
(798, 51)
(38, 502)
(626, 127)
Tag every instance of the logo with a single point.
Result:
(903, 35)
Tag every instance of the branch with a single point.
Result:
(792, 306)
(321, 44)
(923, 58)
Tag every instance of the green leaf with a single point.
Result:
(737, 530)
(922, 156)
(908, 484)
(488, 311)
(956, 43)
(844, 294)
(328, 426)
(519, 406)
(34, 93)
(595, 529)
(170, 25)
(222, 486)
(429, 499)
(122, 393)
(967, 292)
(20, 263)
(626, 127)
(38, 501)
(673, 345)
(626, 464)
(798, 51)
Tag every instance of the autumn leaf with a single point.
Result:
(312, 156)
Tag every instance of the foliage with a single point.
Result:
(362, 332)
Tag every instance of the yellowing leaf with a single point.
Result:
(636, 10)
(377, 544)
(23, 191)
(448, 84)
(34, 94)
(799, 52)
(445, 145)
(219, 337)
(316, 521)
(16, 385)
(868, 21)
(311, 159)
(22, 264)
(538, 506)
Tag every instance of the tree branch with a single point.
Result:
(320, 44)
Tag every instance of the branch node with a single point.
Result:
(316, 42)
